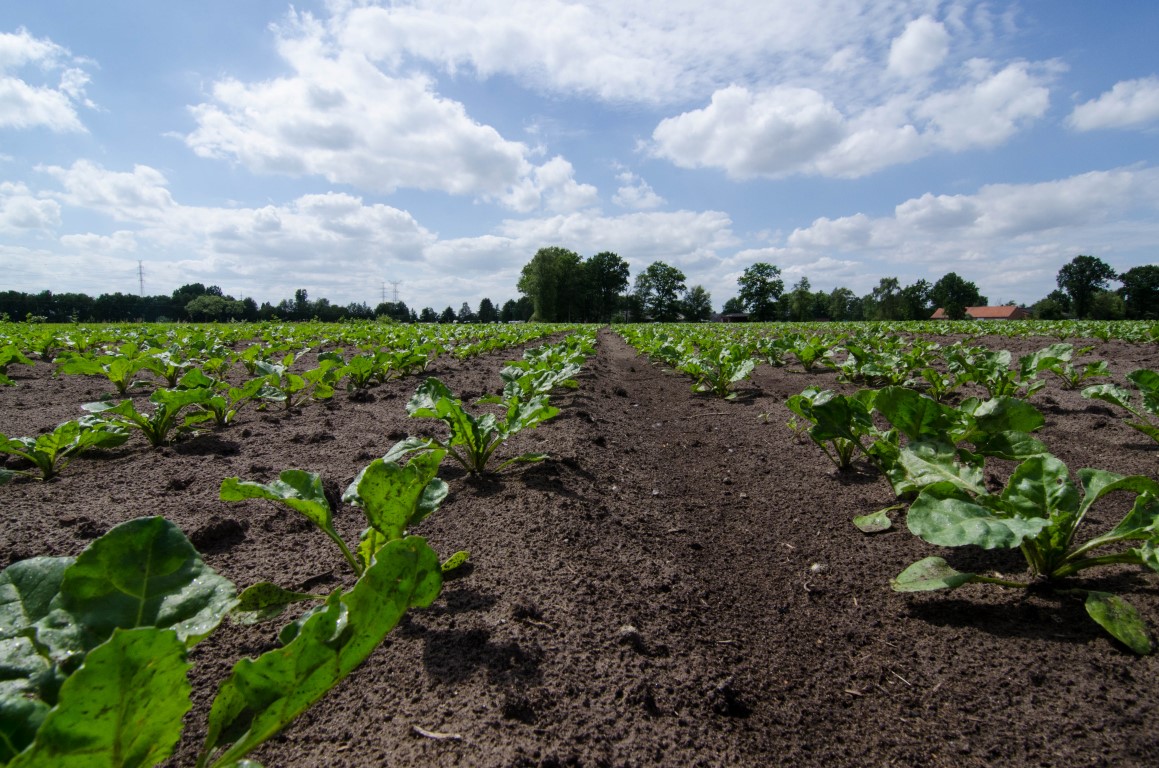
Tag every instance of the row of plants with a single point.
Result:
(938, 473)
(94, 649)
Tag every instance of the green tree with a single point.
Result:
(697, 305)
(487, 312)
(553, 280)
(1082, 278)
(658, 288)
(465, 314)
(1107, 305)
(953, 294)
(447, 315)
(606, 280)
(885, 301)
(734, 306)
(843, 304)
(428, 315)
(1140, 291)
(760, 287)
(801, 301)
(915, 301)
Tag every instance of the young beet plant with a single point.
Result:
(158, 426)
(1040, 512)
(1147, 414)
(49, 453)
(473, 439)
(392, 497)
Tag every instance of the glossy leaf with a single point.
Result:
(930, 574)
(948, 516)
(1120, 618)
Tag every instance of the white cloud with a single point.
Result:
(635, 193)
(121, 241)
(341, 117)
(140, 195)
(785, 130)
(1129, 104)
(21, 211)
(1009, 238)
(920, 49)
(24, 104)
(624, 52)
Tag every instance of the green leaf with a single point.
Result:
(27, 589)
(1041, 487)
(1006, 414)
(1012, 446)
(123, 707)
(20, 719)
(875, 522)
(926, 463)
(947, 516)
(296, 488)
(455, 561)
(263, 695)
(916, 416)
(1110, 393)
(265, 600)
(1120, 618)
(144, 572)
(930, 574)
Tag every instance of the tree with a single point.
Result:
(447, 315)
(658, 288)
(428, 315)
(953, 294)
(734, 306)
(843, 304)
(1082, 278)
(885, 301)
(487, 312)
(552, 279)
(915, 301)
(801, 301)
(760, 287)
(1107, 305)
(465, 314)
(1141, 292)
(301, 308)
(697, 304)
(606, 280)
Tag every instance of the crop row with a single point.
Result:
(935, 453)
(94, 647)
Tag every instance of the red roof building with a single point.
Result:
(1011, 312)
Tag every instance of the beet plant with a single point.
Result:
(49, 453)
(1040, 512)
(157, 427)
(1146, 415)
(473, 439)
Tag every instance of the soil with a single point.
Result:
(680, 585)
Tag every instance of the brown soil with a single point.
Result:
(680, 585)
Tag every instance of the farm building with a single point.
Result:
(1011, 312)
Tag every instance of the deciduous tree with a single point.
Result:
(760, 287)
(1082, 277)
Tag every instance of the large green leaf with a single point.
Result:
(394, 497)
(1120, 618)
(929, 574)
(916, 416)
(20, 719)
(928, 462)
(1005, 414)
(947, 516)
(123, 707)
(296, 488)
(1041, 487)
(27, 589)
(1012, 446)
(144, 572)
(1148, 383)
(263, 695)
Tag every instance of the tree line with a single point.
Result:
(563, 287)
(558, 285)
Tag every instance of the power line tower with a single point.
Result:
(394, 293)
(140, 279)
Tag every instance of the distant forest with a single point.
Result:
(199, 303)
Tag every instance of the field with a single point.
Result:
(679, 584)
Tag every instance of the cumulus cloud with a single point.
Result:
(26, 104)
(343, 118)
(920, 49)
(635, 193)
(21, 211)
(786, 130)
(1129, 104)
(126, 196)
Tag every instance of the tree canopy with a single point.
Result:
(658, 290)
(760, 287)
(1082, 277)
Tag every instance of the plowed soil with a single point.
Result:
(679, 586)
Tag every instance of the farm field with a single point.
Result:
(679, 584)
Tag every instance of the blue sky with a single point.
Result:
(338, 146)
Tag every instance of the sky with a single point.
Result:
(363, 150)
